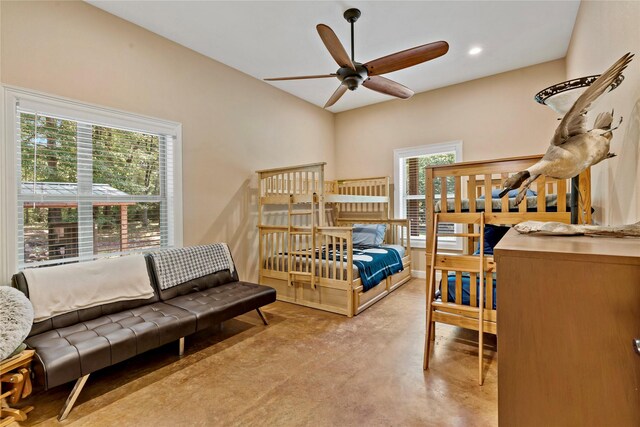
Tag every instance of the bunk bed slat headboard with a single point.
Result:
(297, 180)
(376, 190)
(483, 177)
(473, 186)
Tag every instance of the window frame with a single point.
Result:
(78, 111)
(399, 157)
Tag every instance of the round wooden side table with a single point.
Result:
(15, 384)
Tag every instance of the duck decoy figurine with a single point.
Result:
(573, 148)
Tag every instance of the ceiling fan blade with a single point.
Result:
(320, 76)
(389, 87)
(407, 58)
(336, 95)
(334, 46)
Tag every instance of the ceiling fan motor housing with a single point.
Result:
(352, 79)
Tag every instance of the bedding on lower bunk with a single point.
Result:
(492, 235)
(280, 263)
(466, 289)
(551, 204)
(374, 263)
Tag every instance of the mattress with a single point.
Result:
(496, 204)
(401, 250)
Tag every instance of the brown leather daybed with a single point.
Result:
(72, 345)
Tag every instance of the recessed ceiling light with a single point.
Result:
(475, 50)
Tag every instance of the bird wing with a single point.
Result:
(574, 122)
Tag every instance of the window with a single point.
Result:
(409, 178)
(89, 182)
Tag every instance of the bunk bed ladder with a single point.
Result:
(295, 233)
(431, 284)
(431, 279)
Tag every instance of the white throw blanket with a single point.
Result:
(66, 288)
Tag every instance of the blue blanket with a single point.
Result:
(466, 289)
(374, 263)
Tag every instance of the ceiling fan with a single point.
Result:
(352, 74)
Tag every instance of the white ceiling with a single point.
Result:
(279, 38)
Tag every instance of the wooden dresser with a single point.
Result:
(568, 311)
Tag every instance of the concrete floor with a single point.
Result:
(307, 368)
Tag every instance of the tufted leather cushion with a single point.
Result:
(214, 305)
(67, 353)
(195, 285)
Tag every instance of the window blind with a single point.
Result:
(87, 189)
(414, 187)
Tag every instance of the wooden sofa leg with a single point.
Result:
(181, 346)
(264, 319)
(71, 400)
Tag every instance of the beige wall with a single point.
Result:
(233, 124)
(494, 116)
(603, 32)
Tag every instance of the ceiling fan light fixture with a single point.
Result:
(561, 96)
(352, 82)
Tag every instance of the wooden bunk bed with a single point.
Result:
(302, 217)
(467, 279)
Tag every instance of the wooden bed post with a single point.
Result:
(584, 202)
(430, 294)
(429, 212)
(408, 237)
(575, 194)
(481, 301)
(388, 194)
(350, 305)
(320, 196)
(261, 186)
